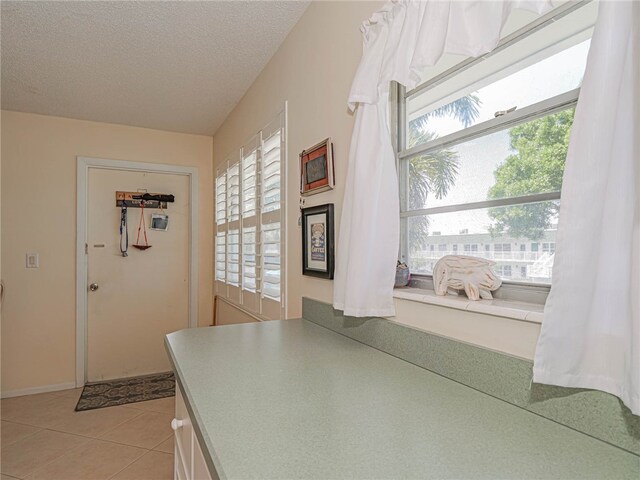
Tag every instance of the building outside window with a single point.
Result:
(482, 151)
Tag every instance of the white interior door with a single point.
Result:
(141, 297)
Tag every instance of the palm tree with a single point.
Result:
(434, 173)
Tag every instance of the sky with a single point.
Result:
(479, 158)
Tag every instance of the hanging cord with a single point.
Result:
(142, 226)
(124, 230)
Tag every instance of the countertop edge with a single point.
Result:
(213, 462)
(211, 457)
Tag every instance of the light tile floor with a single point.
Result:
(43, 438)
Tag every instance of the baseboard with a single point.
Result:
(42, 389)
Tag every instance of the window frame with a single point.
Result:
(511, 290)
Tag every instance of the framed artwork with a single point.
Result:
(317, 241)
(316, 168)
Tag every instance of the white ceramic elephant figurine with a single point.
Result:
(472, 274)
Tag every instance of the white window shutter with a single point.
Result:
(221, 198)
(221, 258)
(249, 246)
(233, 257)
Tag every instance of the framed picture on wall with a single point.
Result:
(159, 221)
(317, 241)
(316, 168)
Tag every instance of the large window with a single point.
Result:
(249, 256)
(482, 148)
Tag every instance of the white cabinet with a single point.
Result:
(189, 459)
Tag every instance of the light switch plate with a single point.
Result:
(33, 260)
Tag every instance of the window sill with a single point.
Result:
(523, 311)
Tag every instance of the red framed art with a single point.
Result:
(316, 168)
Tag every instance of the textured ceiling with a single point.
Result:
(178, 66)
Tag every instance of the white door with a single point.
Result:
(141, 297)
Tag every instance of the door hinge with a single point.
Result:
(86, 248)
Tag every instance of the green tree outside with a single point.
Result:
(536, 166)
(434, 173)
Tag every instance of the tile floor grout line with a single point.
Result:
(155, 449)
(19, 419)
(39, 405)
(170, 435)
(25, 424)
(53, 428)
(127, 466)
(39, 429)
(120, 424)
(77, 448)
(59, 456)
(129, 445)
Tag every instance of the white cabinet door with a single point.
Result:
(180, 468)
(183, 430)
(200, 470)
(189, 459)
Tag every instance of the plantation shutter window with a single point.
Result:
(233, 257)
(250, 222)
(250, 154)
(249, 184)
(271, 173)
(249, 273)
(272, 218)
(221, 258)
(271, 261)
(233, 193)
(221, 199)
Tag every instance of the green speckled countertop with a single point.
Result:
(291, 400)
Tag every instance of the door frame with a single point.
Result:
(83, 166)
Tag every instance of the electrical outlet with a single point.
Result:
(33, 260)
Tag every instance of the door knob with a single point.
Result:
(93, 287)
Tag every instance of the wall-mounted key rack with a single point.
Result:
(151, 200)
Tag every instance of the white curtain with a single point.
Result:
(399, 41)
(591, 331)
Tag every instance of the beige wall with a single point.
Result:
(38, 215)
(229, 314)
(313, 70)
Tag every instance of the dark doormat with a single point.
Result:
(126, 390)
